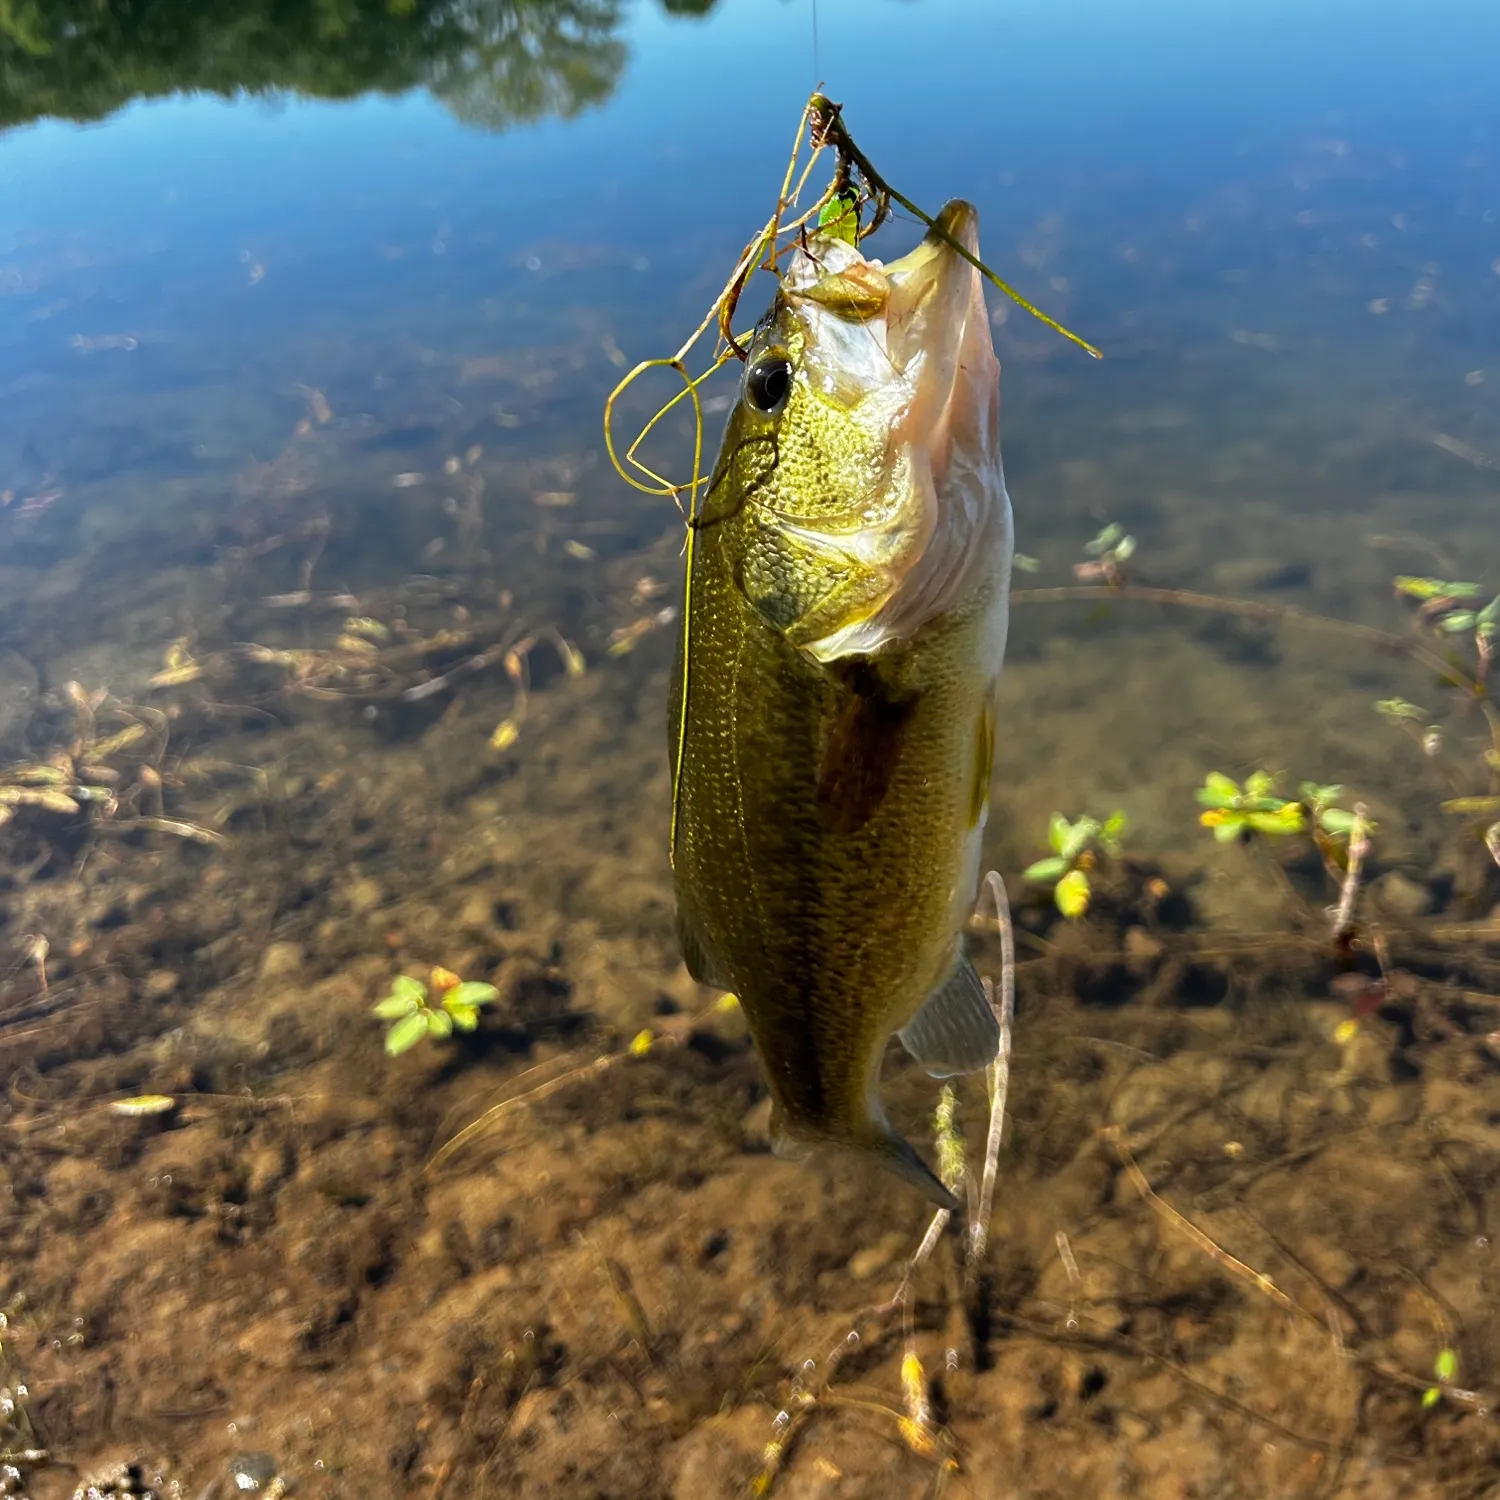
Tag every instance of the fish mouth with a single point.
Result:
(903, 353)
(938, 335)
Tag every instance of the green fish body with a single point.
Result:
(834, 705)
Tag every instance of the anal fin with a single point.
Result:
(785, 1146)
(700, 964)
(955, 1031)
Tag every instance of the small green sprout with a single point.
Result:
(839, 217)
(1066, 868)
(1023, 562)
(1399, 708)
(1235, 812)
(1431, 590)
(1409, 717)
(407, 1007)
(1445, 1367)
(1451, 608)
(1110, 551)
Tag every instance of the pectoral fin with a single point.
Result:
(955, 1031)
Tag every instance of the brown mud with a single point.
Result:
(1274, 1223)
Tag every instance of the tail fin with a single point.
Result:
(877, 1138)
(898, 1155)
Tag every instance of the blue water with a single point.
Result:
(274, 365)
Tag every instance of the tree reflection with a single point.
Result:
(525, 59)
(494, 62)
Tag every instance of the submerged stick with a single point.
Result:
(999, 1073)
(1359, 848)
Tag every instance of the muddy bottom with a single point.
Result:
(1243, 1242)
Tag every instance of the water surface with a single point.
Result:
(307, 322)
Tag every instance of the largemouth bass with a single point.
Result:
(834, 706)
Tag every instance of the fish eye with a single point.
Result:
(768, 382)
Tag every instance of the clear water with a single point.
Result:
(233, 325)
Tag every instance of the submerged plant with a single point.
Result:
(1452, 609)
(1110, 551)
(1413, 721)
(1445, 1367)
(408, 1007)
(1075, 848)
(1236, 812)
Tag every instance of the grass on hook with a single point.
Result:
(823, 122)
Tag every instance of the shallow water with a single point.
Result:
(273, 363)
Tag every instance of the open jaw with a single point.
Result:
(906, 350)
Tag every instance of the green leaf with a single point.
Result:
(1260, 785)
(1058, 830)
(1227, 833)
(407, 1032)
(839, 217)
(469, 994)
(393, 1007)
(1460, 619)
(1286, 819)
(465, 1017)
(1109, 833)
(1490, 614)
(1046, 870)
(1399, 708)
(1125, 549)
(1430, 1397)
(1446, 1365)
(1105, 540)
(439, 1024)
(1072, 894)
(1435, 588)
(1218, 790)
(404, 985)
(1078, 838)
(1024, 564)
(1320, 796)
(1335, 820)
(1478, 806)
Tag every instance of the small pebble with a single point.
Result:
(281, 960)
(160, 983)
(364, 894)
(1399, 895)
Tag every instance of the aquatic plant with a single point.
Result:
(1109, 551)
(1236, 812)
(412, 1015)
(1341, 836)
(111, 778)
(1445, 1367)
(1075, 850)
(1451, 609)
(1412, 720)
